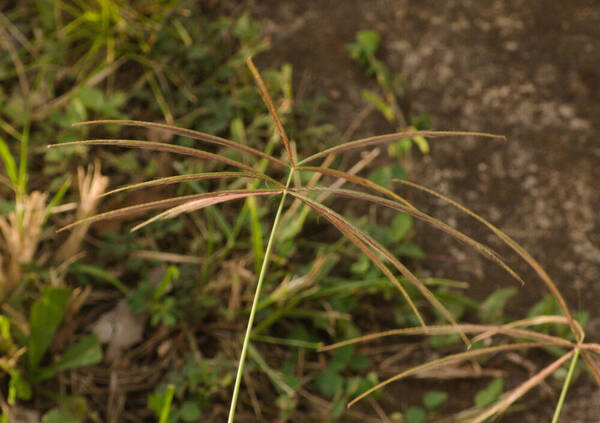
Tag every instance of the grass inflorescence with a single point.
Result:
(378, 254)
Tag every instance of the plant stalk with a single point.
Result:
(565, 388)
(261, 278)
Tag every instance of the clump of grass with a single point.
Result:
(394, 270)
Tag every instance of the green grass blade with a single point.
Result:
(166, 406)
(256, 233)
(103, 275)
(189, 134)
(57, 198)
(276, 379)
(566, 383)
(22, 183)
(9, 163)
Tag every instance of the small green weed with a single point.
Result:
(392, 86)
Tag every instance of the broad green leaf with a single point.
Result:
(329, 382)
(399, 148)
(165, 407)
(385, 175)
(415, 415)
(442, 341)
(360, 362)
(434, 400)
(6, 342)
(338, 408)
(421, 143)
(410, 249)
(368, 40)
(490, 394)
(376, 100)
(92, 98)
(46, 315)
(85, 352)
(69, 410)
(190, 411)
(546, 306)
(360, 266)
(343, 356)
(491, 311)
(401, 224)
(358, 385)
(60, 416)
(171, 275)
(18, 387)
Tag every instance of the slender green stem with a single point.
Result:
(166, 407)
(566, 384)
(261, 278)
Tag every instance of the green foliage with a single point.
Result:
(384, 175)
(548, 306)
(152, 299)
(190, 390)
(338, 380)
(491, 311)
(435, 400)
(416, 415)
(490, 394)
(70, 410)
(44, 319)
(392, 86)
(84, 352)
(364, 48)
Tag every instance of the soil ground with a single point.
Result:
(528, 70)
